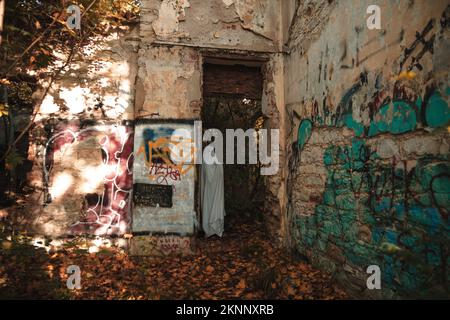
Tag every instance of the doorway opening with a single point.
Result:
(232, 94)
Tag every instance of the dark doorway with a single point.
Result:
(232, 95)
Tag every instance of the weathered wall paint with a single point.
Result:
(272, 107)
(177, 36)
(236, 24)
(80, 145)
(168, 85)
(87, 181)
(369, 164)
(155, 164)
(389, 213)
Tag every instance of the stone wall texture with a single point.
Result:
(369, 170)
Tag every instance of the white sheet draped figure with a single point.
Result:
(212, 199)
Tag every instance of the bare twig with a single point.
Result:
(39, 38)
(32, 44)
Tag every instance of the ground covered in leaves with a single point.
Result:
(244, 264)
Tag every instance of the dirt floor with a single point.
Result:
(244, 264)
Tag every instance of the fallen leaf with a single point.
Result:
(6, 245)
(242, 284)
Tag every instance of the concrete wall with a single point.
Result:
(236, 24)
(169, 206)
(176, 37)
(169, 83)
(150, 73)
(369, 171)
(82, 144)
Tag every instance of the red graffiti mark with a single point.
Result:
(164, 172)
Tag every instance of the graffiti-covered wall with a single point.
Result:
(81, 144)
(87, 181)
(177, 38)
(369, 163)
(164, 178)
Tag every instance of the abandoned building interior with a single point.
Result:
(363, 115)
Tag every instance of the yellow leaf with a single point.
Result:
(6, 245)
(3, 109)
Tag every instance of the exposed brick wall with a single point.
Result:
(369, 162)
(232, 79)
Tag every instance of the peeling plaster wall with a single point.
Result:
(237, 24)
(168, 89)
(169, 83)
(272, 107)
(175, 35)
(81, 144)
(369, 170)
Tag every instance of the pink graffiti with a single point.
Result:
(109, 212)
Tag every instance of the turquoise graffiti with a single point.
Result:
(395, 115)
(375, 210)
(304, 133)
(438, 113)
(378, 213)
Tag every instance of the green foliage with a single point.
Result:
(43, 23)
(19, 94)
(35, 36)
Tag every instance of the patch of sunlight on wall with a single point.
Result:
(48, 105)
(61, 184)
(104, 82)
(93, 177)
(74, 99)
(121, 69)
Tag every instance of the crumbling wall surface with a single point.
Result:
(272, 108)
(168, 98)
(238, 24)
(82, 144)
(175, 35)
(169, 83)
(369, 170)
